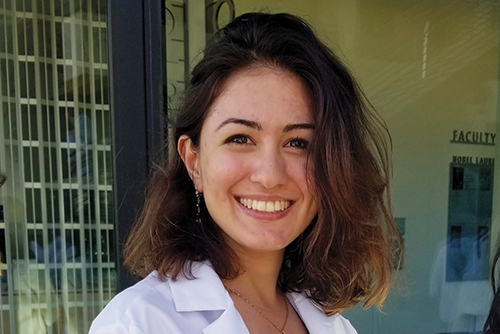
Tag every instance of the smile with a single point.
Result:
(265, 206)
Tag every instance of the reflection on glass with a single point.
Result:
(460, 272)
(56, 225)
(177, 51)
(469, 220)
(431, 69)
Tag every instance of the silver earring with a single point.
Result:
(198, 200)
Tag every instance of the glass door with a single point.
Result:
(57, 252)
(431, 69)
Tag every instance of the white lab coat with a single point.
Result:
(195, 306)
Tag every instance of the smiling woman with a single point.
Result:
(275, 201)
(252, 154)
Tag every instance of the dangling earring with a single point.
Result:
(198, 200)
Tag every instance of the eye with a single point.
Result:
(298, 143)
(238, 139)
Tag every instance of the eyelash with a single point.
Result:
(301, 143)
(297, 143)
(238, 139)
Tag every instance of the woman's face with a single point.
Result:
(251, 160)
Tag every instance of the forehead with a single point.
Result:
(263, 94)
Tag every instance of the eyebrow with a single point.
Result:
(298, 126)
(246, 122)
(257, 126)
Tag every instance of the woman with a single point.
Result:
(271, 216)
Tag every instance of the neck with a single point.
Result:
(259, 277)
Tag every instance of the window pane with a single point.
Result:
(431, 68)
(57, 252)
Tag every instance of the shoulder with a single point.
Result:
(128, 311)
(155, 306)
(316, 320)
(342, 325)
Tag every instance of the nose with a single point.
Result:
(269, 168)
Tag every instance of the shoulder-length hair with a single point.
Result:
(347, 253)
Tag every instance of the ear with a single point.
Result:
(190, 156)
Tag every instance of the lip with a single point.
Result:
(265, 215)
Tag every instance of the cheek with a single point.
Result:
(307, 188)
(221, 172)
(297, 171)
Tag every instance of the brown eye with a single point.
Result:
(238, 139)
(298, 143)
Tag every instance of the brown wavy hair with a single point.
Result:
(347, 254)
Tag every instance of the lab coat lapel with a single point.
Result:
(207, 293)
(203, 293)
(229, 322)
(316, 320)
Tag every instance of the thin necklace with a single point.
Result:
(282, 329)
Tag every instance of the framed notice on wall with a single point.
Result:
(469, 222)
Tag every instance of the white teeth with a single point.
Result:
(265, 206)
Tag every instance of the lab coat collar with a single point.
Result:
(313, 317)
(203, 293)
(230, 321)
(207, 293)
